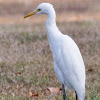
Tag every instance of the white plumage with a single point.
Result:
(68, 62)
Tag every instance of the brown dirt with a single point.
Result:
(60, 18)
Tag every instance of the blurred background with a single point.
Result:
(12, 11)
(26, 62)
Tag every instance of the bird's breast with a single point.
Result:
(57, 54)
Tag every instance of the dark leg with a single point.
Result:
(76, 96)
(64, 93)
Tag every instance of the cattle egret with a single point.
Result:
(68, 63)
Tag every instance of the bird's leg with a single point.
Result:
(64, 93)
(76, 96)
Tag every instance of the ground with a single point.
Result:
(26, 62)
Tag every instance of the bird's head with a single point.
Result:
(43, 8)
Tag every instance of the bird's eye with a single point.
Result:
(39, 10)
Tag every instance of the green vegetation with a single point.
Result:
(28, 66)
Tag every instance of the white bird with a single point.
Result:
(68, 62)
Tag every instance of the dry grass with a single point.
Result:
(24, 47)
(22, 7)
(68, 10)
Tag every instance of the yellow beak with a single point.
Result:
(30, 14)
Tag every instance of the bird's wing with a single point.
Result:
(71, 62)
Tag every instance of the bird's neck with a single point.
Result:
(51, 17)
(53, 32)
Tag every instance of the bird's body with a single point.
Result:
(68, 62)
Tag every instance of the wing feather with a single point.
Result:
(71, 63)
